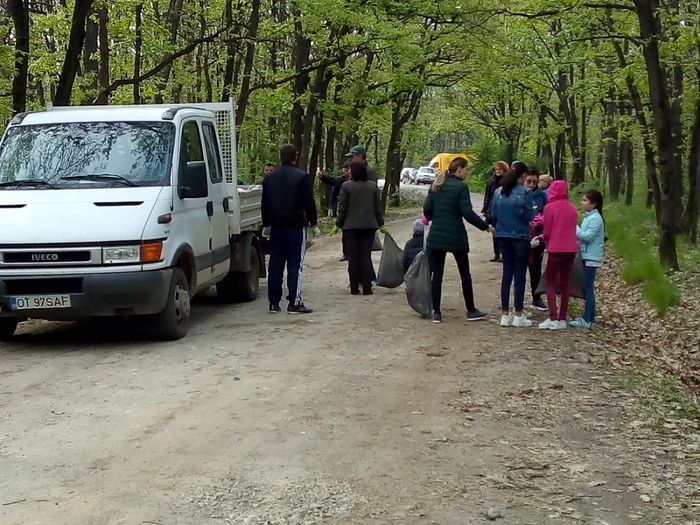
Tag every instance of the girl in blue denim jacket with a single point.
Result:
(591, 240)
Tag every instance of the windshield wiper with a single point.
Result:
(101, 177)
(29, 182)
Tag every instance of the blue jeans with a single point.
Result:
(589, 274)
(515, 254)
(287, 249)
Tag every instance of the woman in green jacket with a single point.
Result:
(447, 204)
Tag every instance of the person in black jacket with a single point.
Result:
(336, 183)
(415, 245)
(288, 207)
(359, 216)
(499, 170)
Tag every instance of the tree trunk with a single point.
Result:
(692, 208)
(611, 141)
(19, 11)
(329, 157)
(90, 62)
(244, 95)
(103, 74)
(302, 51)
(319, 91)
(138, 43)
(76, 40)
(173, 17)
(665, 119)
(228, 88)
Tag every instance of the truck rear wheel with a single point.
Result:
(241, 286)
(174, 321)
(8, 325)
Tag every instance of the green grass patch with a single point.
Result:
(634, 234)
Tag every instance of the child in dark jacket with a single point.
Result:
(539, 201)
(415, 245)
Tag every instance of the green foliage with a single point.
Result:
(633, 233)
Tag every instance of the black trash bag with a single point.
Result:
(576, 281)
(390, 273)
(418, 289)
(377, 246)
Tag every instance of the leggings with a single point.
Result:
(436, 259)
(558, 276)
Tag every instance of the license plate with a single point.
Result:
(39, 302)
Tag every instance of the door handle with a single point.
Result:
(210, 208)
(225, 205)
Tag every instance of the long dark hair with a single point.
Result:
(510, 180)
(358, 172)
(595, 198)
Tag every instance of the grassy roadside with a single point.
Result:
(634, 234)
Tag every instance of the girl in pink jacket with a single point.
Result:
(560, 221)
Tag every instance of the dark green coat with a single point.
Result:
(446, 209)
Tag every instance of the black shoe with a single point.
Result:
(475, 315)
(539, 304)
(299, 309)
(354, 292)
(495, 259)
(275, 308)
(437, 318)
(343, 259)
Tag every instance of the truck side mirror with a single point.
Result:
(193, 181)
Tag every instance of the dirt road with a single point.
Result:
(361, 413)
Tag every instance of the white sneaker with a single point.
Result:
(521, 322)
(558, 325)
(547, 325)
(506, 320)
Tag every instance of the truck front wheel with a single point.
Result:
(174, 321)
(241, 286)
(8, 325)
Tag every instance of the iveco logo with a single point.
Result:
(38, 257)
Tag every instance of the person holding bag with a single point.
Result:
(359, 216)
(447, 204)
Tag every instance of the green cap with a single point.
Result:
(357, 150)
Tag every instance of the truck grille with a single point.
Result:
(47, 257)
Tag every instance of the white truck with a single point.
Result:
(124, 211)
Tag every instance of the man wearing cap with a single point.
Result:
(288, 207)
(359, 154)
(336, 182)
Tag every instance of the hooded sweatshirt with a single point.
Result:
(560, 220)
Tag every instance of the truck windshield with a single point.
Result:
(86, 155)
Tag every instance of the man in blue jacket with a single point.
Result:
(288, 208)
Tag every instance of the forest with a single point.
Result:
(603, 93)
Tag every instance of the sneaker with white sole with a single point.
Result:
(559, 325)
(580, 323)
(506, 320)
(521, 322)
(547, 325)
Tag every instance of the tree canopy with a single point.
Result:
(589, 91)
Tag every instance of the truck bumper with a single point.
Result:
(91, 295)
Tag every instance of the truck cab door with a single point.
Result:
(218, 203)
(194, 202)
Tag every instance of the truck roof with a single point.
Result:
(110, 114)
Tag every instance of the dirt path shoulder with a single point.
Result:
(361, 413)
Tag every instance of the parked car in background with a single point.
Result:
(426, 175)
(408, 175)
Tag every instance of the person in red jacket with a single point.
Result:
(560, 221)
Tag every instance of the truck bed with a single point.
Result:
(250, 198)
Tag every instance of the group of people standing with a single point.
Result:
(531, 215)
(527, 213)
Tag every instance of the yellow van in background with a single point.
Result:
(441, 161)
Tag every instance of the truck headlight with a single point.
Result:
(121, 255)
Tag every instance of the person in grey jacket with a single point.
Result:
(359, 216)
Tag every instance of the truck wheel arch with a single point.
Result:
(184, 259)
